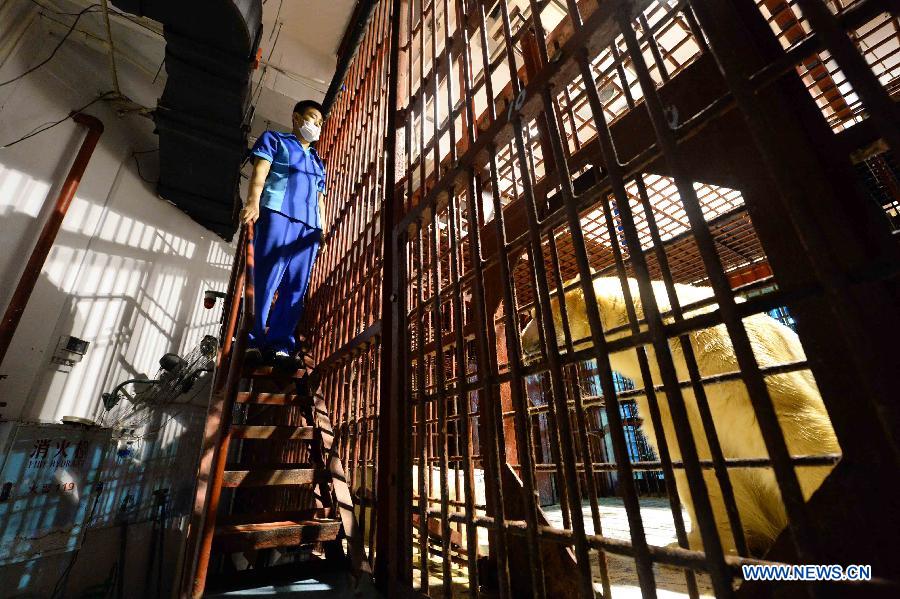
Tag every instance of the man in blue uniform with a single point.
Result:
(285, 201)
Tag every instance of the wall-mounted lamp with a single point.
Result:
(210, 296)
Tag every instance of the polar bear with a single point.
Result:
(798, 405)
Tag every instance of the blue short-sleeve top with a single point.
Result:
(296, 177)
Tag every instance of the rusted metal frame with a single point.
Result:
(586, 453)
(488, 378)
(451, 105)
(671, 556)
(532, 64)
(761, 303)
(363, 431)
(343, 262)
(487, 374)
(513, 343)
(597, 29)
(440, 66)
(654, 47)
(518, 243)
(545, 314)
(352, 421)
(881, 107)
(486, 370)
(614, 174)
(694, 375)
(656, 465)
(421, 426)
(232, 311)
(643, 563)
(435, 143)
(464, 417)
(846, 306)
(620, 69)
(757, 390)
(697, 385)
(393, 544)
(570, 112)
(437, 325)
(458, 316)
(422, 101)
(552, 415)
(372, 455)
(217, 468)
(829, 270)
(788, 22)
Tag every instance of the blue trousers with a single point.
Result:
(285, 251)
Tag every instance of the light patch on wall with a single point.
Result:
(21, 193)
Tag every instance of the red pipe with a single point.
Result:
(22, 294)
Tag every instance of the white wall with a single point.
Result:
(127, 271)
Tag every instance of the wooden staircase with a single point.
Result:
(268, 478)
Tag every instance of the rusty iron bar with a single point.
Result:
(546, 317)
(463, 398)
(756, 387)
(690, 359)
(615, 176)
(12, 316)
(440, 365)
(643, 562)
(224, 416)
(392, 408)
(486, 370)
(421, 427)
(883, 110)
(581, 421)
(231, 311)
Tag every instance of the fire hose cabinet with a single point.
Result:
(49, 482)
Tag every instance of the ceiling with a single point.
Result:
(299, 44)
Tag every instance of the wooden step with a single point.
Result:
(270, 372)
(262, 476)
(263, 517)
(263, 535)
(274, 432)
(273, 399)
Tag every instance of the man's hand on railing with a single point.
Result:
(250, 213)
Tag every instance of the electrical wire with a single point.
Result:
(102, 96)
(55, 50)
(137, 163)
(99, 8)
(64, 577)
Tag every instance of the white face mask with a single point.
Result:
(310, 131)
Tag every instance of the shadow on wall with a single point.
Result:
(131, 289)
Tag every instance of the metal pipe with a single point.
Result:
(223, 419)
(28, 280)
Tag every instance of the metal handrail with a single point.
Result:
(218, 432)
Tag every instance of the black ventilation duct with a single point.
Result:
(202, 115)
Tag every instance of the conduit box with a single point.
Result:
(69, 351)
(48, 485)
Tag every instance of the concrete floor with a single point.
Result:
(659, 528)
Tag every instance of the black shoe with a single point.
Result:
(285, 362)
(253, 358)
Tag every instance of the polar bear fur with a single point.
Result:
(798, 405)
